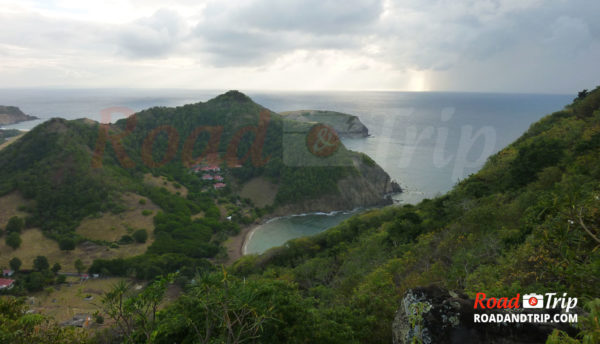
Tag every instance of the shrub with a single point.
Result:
(140, 236)
(13, 240)
(66, 244)
(146, 212)
(99, 319)
(126, 239)
(15, 224)
(40, 263)
(15, 264)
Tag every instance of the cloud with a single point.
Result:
(259, 31)
(446, 44)
(155, 36)
(319, 17)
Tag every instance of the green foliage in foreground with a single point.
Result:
(18, 327)
(589, 325)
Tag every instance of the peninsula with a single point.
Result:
(12, 114)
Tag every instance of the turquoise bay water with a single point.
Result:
(279, 230)
(425, 141)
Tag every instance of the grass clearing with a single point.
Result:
(162, 182)
(9, 207)
(111, 227)
(36, 244)
(68, 299)
(64, 301)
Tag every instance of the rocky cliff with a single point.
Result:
(343, 124)
(370, 186)
(12, 115)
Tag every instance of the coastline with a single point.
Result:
(236, 245)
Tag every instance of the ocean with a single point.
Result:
(426, 141)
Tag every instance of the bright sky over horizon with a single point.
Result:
(537, 46)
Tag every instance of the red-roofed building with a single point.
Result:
(6, 283)
(211, 168)
(207, 177)
(219, 178)
(220, 185)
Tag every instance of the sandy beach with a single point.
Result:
(235, 244)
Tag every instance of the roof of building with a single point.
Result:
(5, 282)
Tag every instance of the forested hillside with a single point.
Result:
(75, 170)
(527, 222)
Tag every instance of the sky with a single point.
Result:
(529, 46)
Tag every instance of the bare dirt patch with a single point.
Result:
(260, 191)
(162, 182)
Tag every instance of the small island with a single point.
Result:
(344, 124)
(12, 114)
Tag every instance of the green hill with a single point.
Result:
(76, 170)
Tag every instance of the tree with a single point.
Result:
(13, 240)
(15, 264)
(40, 263)
(79, 266)
(34, 281)
(56, 268)
(135, 312)
(15, 224)
(581, 95)
(140, 236)
(66, 244)
(224, 309)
